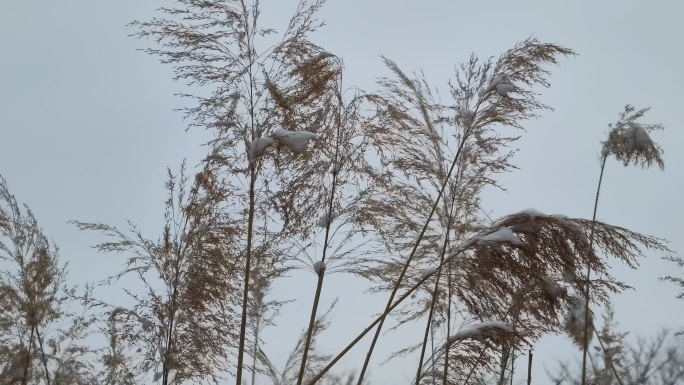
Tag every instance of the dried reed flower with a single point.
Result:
(575, 322)
(41, 332)
(630, 142)
(182, 328)
(418, 137)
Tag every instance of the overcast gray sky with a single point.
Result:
(88, 129)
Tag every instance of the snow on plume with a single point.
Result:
(637, 138)
(319, 267)
(258, 146)
(568, 276)
(575, 321)
(532, 213)
(295, 141)
(428, 272)
(492, 85)
(504, 88)
(552, 288)
(327, 218)
(481, 330)
(503, 234)
(604, 151)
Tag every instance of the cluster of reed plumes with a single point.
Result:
(305, 172)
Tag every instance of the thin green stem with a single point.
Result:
(585, 346)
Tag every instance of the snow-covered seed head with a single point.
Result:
(504, 88)
(327, 219)
(146, 324)
(488, 329)
(552, 288)
(319, 267)
(630, 141)
(575, 322)
(636, 137)
(568, 275)
(257, 147)
(183, 237)
(428, 272)
(604, 151)
(502, 235)
(294, 140)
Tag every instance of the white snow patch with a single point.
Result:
(326, 219)
(604, 151)
(552, 288)
(504, 88)
(567, 275)
(577, 314)
(319, 267)
(497, 79)
(637, 138)
(146, 324)
(258, 146)
(428, 272)
(503, 234)
(481, 330)
(526, 227)
(532, 213)
(296, 141)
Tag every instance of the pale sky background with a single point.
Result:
(88, 130)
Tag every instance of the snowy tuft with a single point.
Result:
(504, 88)
(637, 138)
(326, 219)
(295, 141)
(178, 319)
(428, 272)
(146, 324)
(526, 227)
(552, 288)
(503, 234)
(575, 321)
(119, 309)
(568, 275)
(257, 147)
(319, 267)
(604, 151)
(183, 237)
(481, 330)
(532, 213)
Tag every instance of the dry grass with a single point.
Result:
(401, 172)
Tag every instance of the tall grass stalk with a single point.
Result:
(428, 323)
(585, 347)
(629, 141)
(407, 263)
(321, 266)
